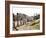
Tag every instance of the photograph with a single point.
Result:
(26, 18)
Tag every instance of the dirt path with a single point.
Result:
(29, 26)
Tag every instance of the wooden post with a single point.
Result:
(17, 20)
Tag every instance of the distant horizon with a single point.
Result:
(28, 15)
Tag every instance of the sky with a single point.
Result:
(29, 10)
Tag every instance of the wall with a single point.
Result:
(2, 19)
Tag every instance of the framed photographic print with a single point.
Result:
(24, 18)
